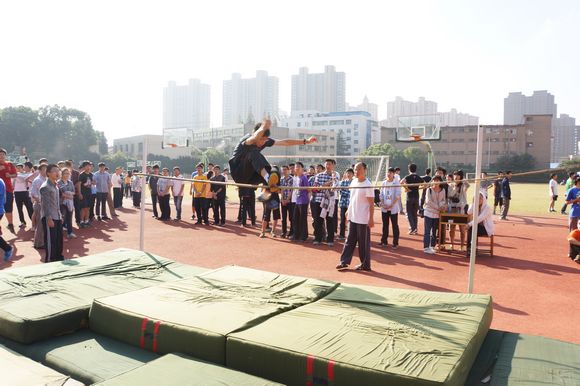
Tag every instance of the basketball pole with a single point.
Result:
(143, 190)
(473, 251)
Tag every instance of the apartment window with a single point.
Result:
(348, 131)
(301, 115)
(349, 121)
(140, 148)
(348, 138)
(356, 125)
(355, 150)
(356, 141)
(132, 148)
(336, 122)
(299, 124)
(356, 133)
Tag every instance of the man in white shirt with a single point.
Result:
(117, 183)
(390, 197)
(360, 216)
(553, 191)
(21, 184)
(177, 191)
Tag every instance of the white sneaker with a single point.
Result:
(430, 251)
(72, 236)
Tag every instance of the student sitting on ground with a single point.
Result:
(485, 225)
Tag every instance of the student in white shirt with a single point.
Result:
(117, 184)
(435, 203)
(136, 189)
(360, 217)
(177, 188)
(21, 186)
(553, 191)
(485, 225)
(390, 198)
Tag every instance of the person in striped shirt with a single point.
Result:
(344, 200)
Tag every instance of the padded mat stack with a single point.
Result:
(193, 316)
(85, 356)
(44, 300)
(18, 370)
(535, 360)
(172, 370)
(367, 336)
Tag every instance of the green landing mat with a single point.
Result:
(360, 335)
(84, 355)
(193, 316)
(44, 300)
(534, 360)
(179, 370)
(17, 370)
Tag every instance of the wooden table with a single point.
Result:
(450, 219)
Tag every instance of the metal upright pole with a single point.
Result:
(143, 190)
(473, 252)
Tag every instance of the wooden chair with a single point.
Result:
(485, 251)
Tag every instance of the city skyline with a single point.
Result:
(464, 55)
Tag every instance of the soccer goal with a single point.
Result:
(376, 165)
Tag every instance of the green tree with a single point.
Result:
(417, 156)
(54, 132)
(571, 165)
(215, 156)
(515, 163)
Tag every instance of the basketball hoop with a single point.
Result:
(171, 145)
(416, 137)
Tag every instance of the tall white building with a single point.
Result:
(455, 118)
(186, 105)
(321, 92)
(516, 105)
(565, 138)
(371, 108)
(258, 96)
(424, 112)
(359, 130)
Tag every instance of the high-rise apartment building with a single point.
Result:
(565, 138)
(257, 96)
(516, 105)
(371, 108)
(424, 112)
(186, 105)
(322, 92)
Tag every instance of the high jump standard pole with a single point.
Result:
(473, 252)
(143, 190)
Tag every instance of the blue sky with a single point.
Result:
(113, 58)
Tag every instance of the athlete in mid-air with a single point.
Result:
(249, 166)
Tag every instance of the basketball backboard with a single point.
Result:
(179, 137)
(417, 133)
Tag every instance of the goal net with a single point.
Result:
(376, 165)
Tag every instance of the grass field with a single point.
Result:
(531, 199)
(527, 199)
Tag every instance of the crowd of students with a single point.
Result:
(59, 198)
(85, 195)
